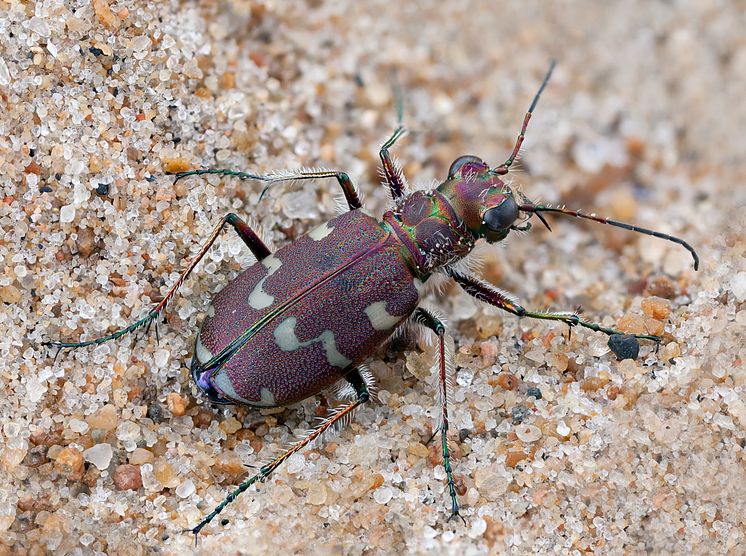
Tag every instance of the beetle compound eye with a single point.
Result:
(502, 216)
(466, 164)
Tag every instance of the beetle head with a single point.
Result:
(481, 199)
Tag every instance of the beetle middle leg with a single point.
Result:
(244, 231)
(484, 292)
(427, 319)
(362, 395)
(349, 190)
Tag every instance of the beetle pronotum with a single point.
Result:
(308, 315)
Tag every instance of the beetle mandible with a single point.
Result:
(310, 314)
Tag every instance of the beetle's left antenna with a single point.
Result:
(504, 168)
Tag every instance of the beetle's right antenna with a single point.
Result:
(504, 168)
(538, 209)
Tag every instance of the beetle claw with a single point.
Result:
(429, 440)
(57, 353)
(456, 513)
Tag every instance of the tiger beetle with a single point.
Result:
(308, 315)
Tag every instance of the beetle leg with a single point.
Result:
(249, 237)
(489, 294)
(348, 188)
(425, 318)
(357, 381)
(391, 170)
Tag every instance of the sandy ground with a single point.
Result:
(110, 450)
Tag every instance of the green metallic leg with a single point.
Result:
(249, 237)
(340, 416)
(348, 188)
(484, 292)
(423, 317)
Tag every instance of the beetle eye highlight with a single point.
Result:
(502, 216)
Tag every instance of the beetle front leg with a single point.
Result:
(348, 188)
(244, 231)
(391, 170)
(425, 318)
(340, 416)
(484, 292)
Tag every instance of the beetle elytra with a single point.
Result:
(309, 315)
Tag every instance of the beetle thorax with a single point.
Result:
(433, 231)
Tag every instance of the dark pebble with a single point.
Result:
(624, 346)
(519, 413)
(535, 392)
(102, 189)
(155, 412)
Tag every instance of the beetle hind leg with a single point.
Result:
(245, 232)
(359, 382)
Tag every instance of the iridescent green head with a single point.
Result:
(480, 198)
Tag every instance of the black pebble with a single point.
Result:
(102, 189)
(624, 346)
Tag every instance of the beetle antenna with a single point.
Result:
(538, 209)
(505, 166)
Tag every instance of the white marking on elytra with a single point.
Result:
(320, 232)
(223, 382)
(258, 298)
(268, 398)
(286, 340)
(202, 354)
(379, 317)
